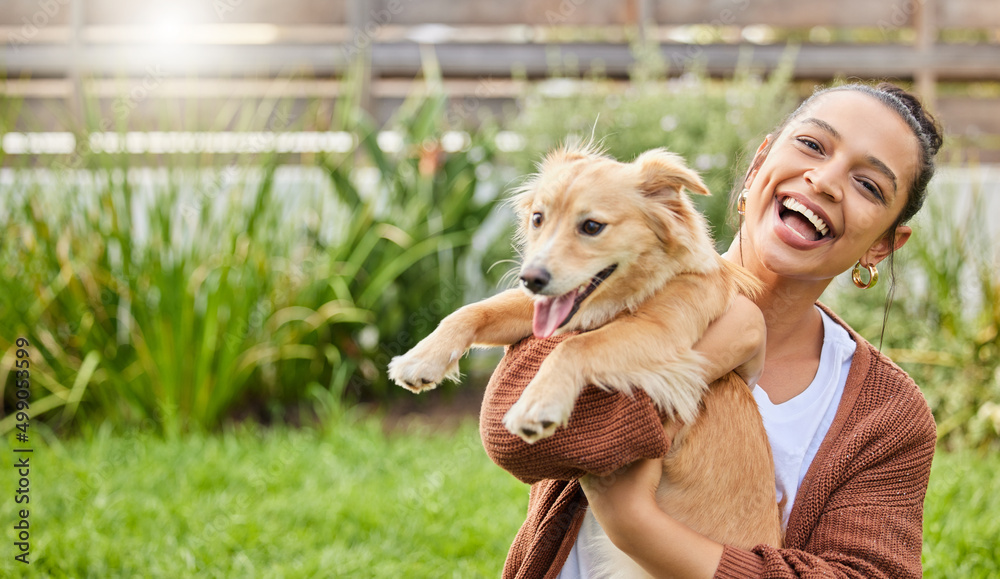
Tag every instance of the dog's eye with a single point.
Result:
(591, 227)
(536, 220)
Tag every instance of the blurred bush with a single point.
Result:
(183, 293)
(414, 249)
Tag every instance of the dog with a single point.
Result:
(618, 252)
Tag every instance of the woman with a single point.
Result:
(830, 188)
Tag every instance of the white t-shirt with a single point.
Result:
(795, 428)
(578, 563)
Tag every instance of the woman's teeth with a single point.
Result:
(818, 223)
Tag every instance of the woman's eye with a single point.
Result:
(536, 220)
(591, 227)
(872, 188)
(811, 144)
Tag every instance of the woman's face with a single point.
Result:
(833, 183)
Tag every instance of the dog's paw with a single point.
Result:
(418, 371)
(533, 420)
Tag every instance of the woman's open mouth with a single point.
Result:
(554, 312)
(801, 222)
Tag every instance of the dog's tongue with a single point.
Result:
(800, 224)
(550, 313)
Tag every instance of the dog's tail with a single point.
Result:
(746, 283)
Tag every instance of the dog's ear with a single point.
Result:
(664, 172)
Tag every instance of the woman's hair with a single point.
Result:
(927, 130)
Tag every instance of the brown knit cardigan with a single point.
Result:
(858, 513)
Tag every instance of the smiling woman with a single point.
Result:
(851, 435)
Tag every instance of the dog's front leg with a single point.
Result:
(497, 321)
(650, 350)
(548, 399)
(670, 375)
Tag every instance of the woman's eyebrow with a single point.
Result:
(824, 125)
(882, 168)
(871, 159)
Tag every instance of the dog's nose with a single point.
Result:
(535, 278)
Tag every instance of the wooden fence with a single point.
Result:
(216, 49)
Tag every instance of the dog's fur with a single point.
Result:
(639, 326)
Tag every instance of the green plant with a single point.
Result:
(407, 252)
(153, 329)
(185, 291)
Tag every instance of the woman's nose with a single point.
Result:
(823, 180)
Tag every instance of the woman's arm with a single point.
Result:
(735, 340)
(607, 430)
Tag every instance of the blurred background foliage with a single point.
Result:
(183, 292)
(711, 123)
(183, 296)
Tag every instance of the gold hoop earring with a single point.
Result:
(741, 205)
(872, 274)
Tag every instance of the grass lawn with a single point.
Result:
(347, 501)
(962, 517)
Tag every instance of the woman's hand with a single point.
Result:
(624, 503)
(735, 341)
(616, 499)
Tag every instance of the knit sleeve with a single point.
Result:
(871, 522)
(607, 430)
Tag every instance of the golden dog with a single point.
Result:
(618, 251)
